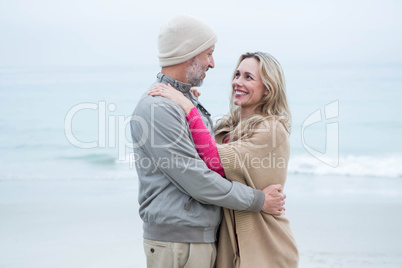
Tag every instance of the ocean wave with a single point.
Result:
(351, 165)
(107, 166)
(97, 159)
(74, 168)
(69, 176)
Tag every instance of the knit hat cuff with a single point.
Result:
(168, 61)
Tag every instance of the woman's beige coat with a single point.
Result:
(256, 239)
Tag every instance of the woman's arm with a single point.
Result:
(205, 144)
(264, 156)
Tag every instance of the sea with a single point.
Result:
(72, 122)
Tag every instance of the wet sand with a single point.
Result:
(96, 224)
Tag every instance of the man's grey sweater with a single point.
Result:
(180, 198)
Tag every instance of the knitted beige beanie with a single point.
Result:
(182, 38)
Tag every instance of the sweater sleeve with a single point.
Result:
(267, 149)
(205, 144)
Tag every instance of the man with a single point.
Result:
(180, 198)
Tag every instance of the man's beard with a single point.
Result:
(195, 73)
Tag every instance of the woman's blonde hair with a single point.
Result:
(273, 105)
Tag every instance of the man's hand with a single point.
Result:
(274, 200)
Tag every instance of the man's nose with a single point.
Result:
(211, 63)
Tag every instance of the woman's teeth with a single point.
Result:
(240, 93)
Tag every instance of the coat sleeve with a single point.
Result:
(269, 141)
(168, 143)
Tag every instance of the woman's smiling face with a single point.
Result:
(247, 86)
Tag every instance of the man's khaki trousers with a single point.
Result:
(179, 255)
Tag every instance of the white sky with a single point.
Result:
(123, 32)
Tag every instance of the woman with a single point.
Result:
(252, 148)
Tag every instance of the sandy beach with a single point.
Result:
(96, 223)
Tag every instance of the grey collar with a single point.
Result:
(182, 87)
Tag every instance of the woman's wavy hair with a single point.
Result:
(273, 105)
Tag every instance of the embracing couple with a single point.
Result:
(219, 201)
